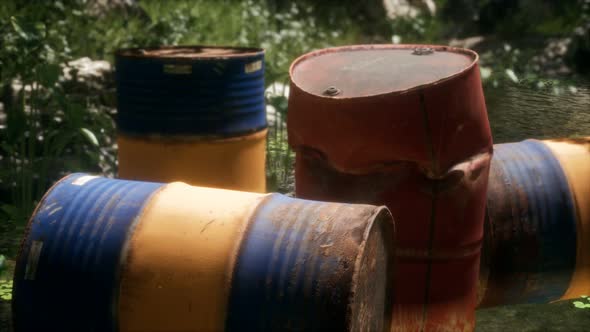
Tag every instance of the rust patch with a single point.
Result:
(372, 284)
(439, 254)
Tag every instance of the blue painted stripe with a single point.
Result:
(539, 254)
(205, 107)
(217, 98)
(281, 281)
(83, 230)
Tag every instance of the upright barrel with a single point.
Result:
(116, 255)
(537, 239)
(192, 114)
(404, 126)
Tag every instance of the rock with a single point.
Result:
(86, 69)
(470, 42)
(101, 7)
(276, 95)
(408, 8)
(272, 116)
(85, 76)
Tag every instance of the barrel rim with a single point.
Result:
(28, 227)
(360, 47)
(241, 52)
(381, 217)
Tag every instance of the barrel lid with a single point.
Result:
(367, 70)
(189, 52)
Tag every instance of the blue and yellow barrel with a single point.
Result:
(117, 255)
(574, 157)
(537, 228)
(192, 114)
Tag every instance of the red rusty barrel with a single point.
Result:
(405, 126)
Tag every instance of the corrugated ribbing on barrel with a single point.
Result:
(185, 258)
(530, 250)
(193, 114)
(195, 91)
(404, 126)
(324, 269)
(68, 271)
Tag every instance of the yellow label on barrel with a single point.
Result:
(253, 66)
(178, 69)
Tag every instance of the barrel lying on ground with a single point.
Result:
(116, 255)
(404, 126)
(537, 238)
(192, 114)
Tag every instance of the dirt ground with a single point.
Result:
(559, 316)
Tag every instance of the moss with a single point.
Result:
(558, 316)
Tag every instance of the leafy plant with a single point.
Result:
(6, 290)
(44, 123)
(5, 285)
(52, 126)
(279, 157)
(581, 304)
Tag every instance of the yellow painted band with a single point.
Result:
(574, 157)
(233, 163)
(180, 258)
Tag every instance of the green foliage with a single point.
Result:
(5, 285)
(47, 129)
(508, 65)
(423, 29)
(279, 156)
(504, 18)
(6, 290)
(581, 304)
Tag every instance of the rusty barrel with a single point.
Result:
(193, 114)
(537, 227)
(117, 255)
(404, 126)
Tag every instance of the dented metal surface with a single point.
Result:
(398, 187)
(75, 240)
(419, 143)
